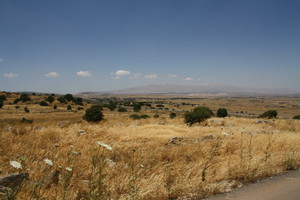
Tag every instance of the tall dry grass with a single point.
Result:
(150, 159)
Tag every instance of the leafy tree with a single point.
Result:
(62, 99)
(172, 115)
(137, 107)
(112, 106)
(1, 104)
(24, 97)
(16, 100)
(222, 112)
(43, 103)
(2, 97)
(69, 97)
(50, 99)
(69, 107)
(122, 109)
(269, 114)
(93, 114)
(296, 117)
(198, 115)
(78, 101)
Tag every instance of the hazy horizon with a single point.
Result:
(73, 46)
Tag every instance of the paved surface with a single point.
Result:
(282, 187)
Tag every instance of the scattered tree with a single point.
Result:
(43, 103)
(269, 114)
(137, 107)
(1, 104)
(296, 117)
(172, 115)
(198, 115)
(69, 107)
(122, 109)
(16, 100)
(222, 112)
(62, 99)
(3, 97)
(69, 97)
(50, 99)
(24, 97)
(26, 110)
(93, 114)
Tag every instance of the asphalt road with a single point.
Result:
(282, 187)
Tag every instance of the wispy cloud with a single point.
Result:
(151, 76)
(119, 73)
(188, 79)
(136, 76)
(52, 74)
(84, 73)
(1, 60)
(172, 75)
(10, 75)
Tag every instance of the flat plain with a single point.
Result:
(154, 158)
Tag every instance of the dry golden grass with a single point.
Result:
(199, 161)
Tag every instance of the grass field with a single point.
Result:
(154, 158)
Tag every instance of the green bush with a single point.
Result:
(269, 114)
(24, 97)
(2, 97)
(135, 116)
(78, 101)
(198, 115)
(112, 106)
(16, 100)
(296, 117)
(62, 99)
(80, 108)
(122, 109)
(137, 107)
(69, 97)
(26, 110)
(222, 112)
(156, 116)
(172, 115)
(1, 104)
(93, 114)
(43, 103)
(55, 107)
(50, 99)
(69, 107)
(17, 107)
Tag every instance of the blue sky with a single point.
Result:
(92, 45)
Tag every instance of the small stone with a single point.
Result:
(81, 132)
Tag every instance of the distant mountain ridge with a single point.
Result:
(198, 89)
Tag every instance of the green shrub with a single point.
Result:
(137, 107)
(198, 115)
(93, 114)
(172, 115)
(135, 116)
(80, 108)
(17, 107)
(26, 121)
(16, 100)
(78, 101)
(62, 99)
(296, 117)
(24, 97)
(43, 103)
(122, 109)
(269, 114)
(26, 110)
(222, 112)
(55, 107)
(69, 97)
(1, 104)
(112, 106)
(69, 107)
(50, 99)
(2, 97)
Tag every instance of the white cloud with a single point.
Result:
(84, 73)
(151, 76)
(10, 75)
(136, 76)
(188, 79)
(119, 73)
(1, 60)
(173, 75)
(52, 74)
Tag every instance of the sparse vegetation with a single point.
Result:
(62, 99)
(50, 99)
(69, 107)
(93, 114)
(222, 112)
(26, 110)
(198, 115)
(135, 116)
(122, 109)
(24, 97)
(269, 114)
(172, 115)
(26, 121)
